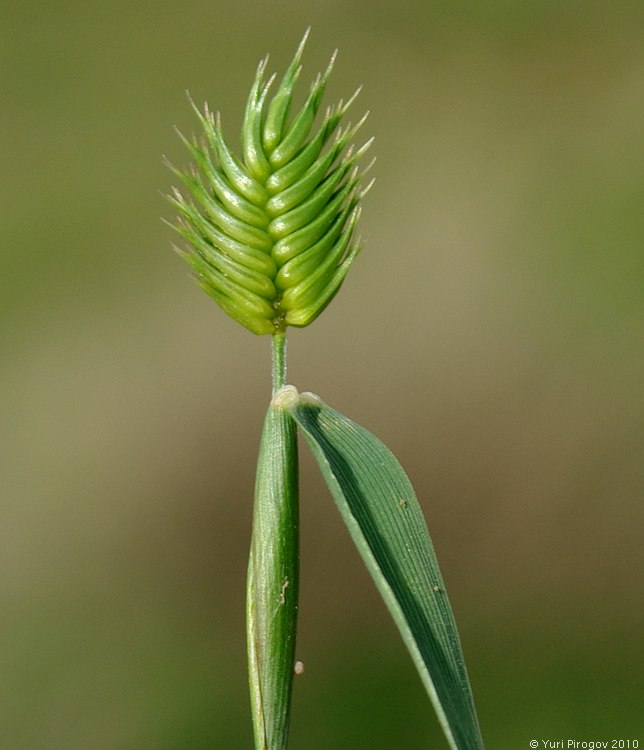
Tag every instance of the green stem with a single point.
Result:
(272, 592)
(278, 351)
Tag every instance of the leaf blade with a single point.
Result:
(384, 518)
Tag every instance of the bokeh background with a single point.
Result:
(491, 333)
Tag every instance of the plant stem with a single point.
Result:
(278, 351)
(272, 592)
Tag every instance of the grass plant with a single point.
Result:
(270, 235)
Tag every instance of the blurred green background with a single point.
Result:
(491, 333)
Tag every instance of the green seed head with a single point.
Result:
(271, 236)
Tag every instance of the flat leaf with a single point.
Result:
(384, 518)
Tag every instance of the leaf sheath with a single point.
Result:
(271, 610)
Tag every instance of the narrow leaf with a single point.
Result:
(384, 518)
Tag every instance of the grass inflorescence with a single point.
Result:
(271, 236)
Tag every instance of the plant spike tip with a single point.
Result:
(292, 187)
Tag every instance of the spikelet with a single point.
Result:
(271, 236)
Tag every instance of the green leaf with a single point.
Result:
(271, 608)
(384, 518)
